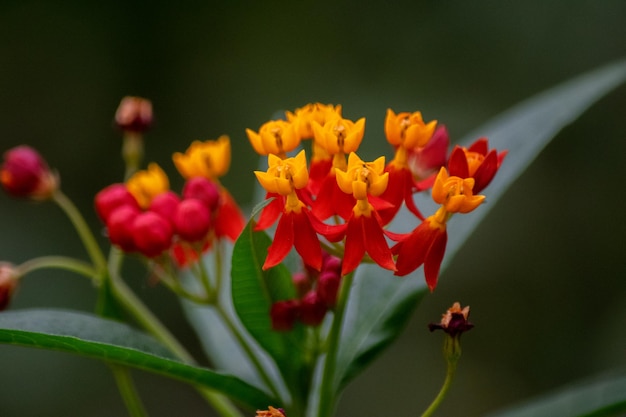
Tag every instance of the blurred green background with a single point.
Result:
(544, 275)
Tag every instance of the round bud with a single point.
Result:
(204, 190)
(192, 220)
(152, 234)
(119, 227)
(111, 198)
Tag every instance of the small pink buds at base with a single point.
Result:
(192, 220)
(152, 234)
(24, 173)
(284, 315)
(165, 205)
(8, 283)
(119, 227)
(312, 309)
(111, 198)
(204, 190)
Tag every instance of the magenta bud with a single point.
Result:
(328, 287)
(332, 263)
(192, 220)
(302, 283)
(312, 309)
(152, 234)
(165, 205)
(284, 315)
(24, 173)
(8, 284)
(204, 190)
(119, 227)
(111, 198)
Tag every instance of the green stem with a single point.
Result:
(152, 324)
(88, 239)
(452, 362)
(127, 389)
(327, 395)
(60, 262)
(247, 349)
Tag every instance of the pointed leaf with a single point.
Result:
(116, 342)
(600, 398)
(254, 291)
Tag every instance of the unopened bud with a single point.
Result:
(24, 173)
(328, 287)
(119, 227)
(8, 284)
(111, 198)
(165, 205)
(134, 114)
(204, 190)
(152, 234)
(312, 309)
(284, 315)
(192, 220)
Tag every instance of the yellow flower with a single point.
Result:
(363, 178)
(284, 176)
(455, 193)
(408, 129)
(274, 137)
(209, 159)
(339, 136)
(320, 113)
(146, 184)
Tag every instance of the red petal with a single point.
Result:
(481, 146)
(331, 200)
(355, 245)
(457, 164)
(229, 220)
(283, 241)
(376, 244)
(305, 240)
(434, 258)
(413, 250)
(271, 212)
(485, 172)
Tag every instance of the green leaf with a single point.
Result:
(599, 398)
(382, 304)
(254, 291)
(118, 343)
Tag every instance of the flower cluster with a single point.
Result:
(344, 205)
(143, 215)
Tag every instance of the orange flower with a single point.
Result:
(274, 137)
(408, 130)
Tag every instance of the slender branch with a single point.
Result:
(87, 237)
(247, 349)
(327, 395)
(444, 389)
(59, 262)
(127, 390)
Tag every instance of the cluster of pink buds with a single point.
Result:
(153, 226)
(317, 293)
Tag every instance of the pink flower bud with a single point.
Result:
(284, 315)
(192, 220)
(111, 198)
(8, 284)
(302, 283)
(24, 173)
(204, 190)
(331, 263)
(119, 227)
(134, 114)
(312, 309)
(328, 287)
(152, 234)
(165, 204)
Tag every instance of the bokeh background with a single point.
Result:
(544, 275)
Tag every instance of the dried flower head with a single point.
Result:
(453, 321)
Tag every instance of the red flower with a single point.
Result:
(426, 246)
(476, 162)
(425, 162)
